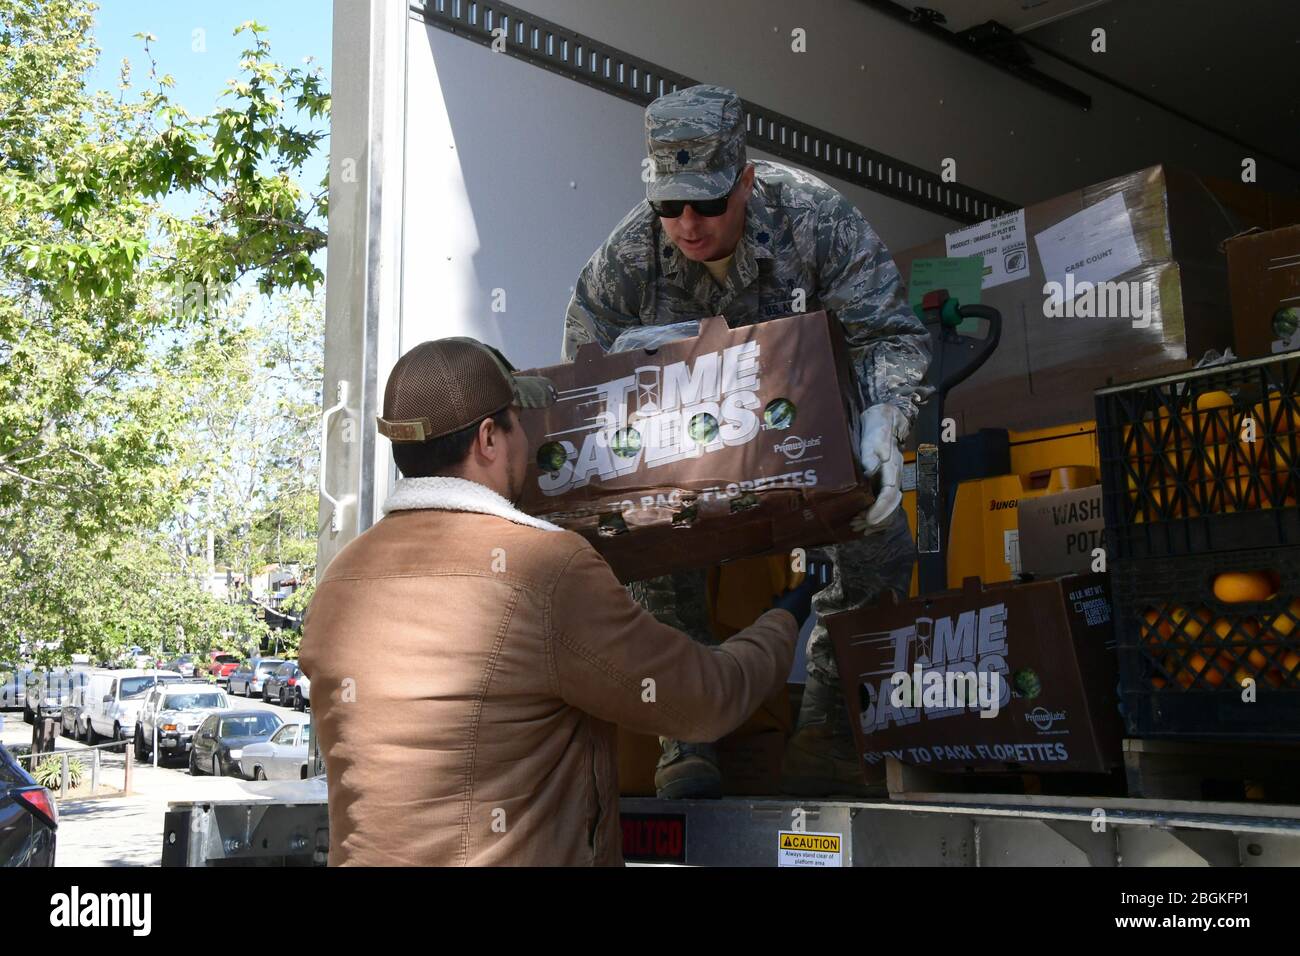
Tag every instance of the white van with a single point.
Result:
(113, 699)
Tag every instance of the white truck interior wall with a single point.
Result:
(514, 175)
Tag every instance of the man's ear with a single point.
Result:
(489, 438)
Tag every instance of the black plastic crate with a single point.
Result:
(1183, 651)
(1178, 473)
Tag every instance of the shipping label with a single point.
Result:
(1002, 244)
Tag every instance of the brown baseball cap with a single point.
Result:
(442, 386)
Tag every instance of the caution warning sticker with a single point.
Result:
(808, 849)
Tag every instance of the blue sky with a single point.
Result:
(296, 29)
(202, 63)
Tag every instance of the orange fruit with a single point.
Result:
(1166, 501)
(1259, 660)
(1156, 630)
(1189, 625)
(1290, 661)
(1283, 623)
(1204, 478)
(1241, 484)
(1158, 682)
(1214, 409)
(1236, 587)
(1275, 418)
(1173, 665)
(1283, 486)
(1225, 633)
(1264, 655)
(1208, 400)
(1215, 672)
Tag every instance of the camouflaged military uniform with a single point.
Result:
(803, 244)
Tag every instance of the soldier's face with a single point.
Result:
(704, 239)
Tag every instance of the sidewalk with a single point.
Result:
(125, 830)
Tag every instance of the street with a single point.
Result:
(116, 830)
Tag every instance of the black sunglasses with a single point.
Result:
(708, 208)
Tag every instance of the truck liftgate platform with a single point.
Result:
(290, 827)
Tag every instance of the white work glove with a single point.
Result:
(884, 427)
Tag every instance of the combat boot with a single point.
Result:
(820, 758)
(687, 772)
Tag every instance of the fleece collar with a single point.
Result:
(457, 494)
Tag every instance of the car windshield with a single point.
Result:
(250, 725)
(227, 659)
(265, 667)
(135, 687)
(193, 701)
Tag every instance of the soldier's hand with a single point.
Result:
(880, 451)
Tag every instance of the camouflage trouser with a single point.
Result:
(863, 568)
(678, 600)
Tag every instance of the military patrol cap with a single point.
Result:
(696, 142)
(443, 386)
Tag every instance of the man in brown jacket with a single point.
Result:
(469, 663)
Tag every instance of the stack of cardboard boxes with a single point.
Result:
(1118, 281)
(739, 442)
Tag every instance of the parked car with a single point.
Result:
(70, 715)
(113, 700)
(50, 691)
(13, 691)
(173, 711)
(280, 684)
(221, 738)
(40, 693)
(282, 757)
(183, 665)
(28, 817)
(222, 664)
(247, 679)
(72, 712)
(302, 692)
(136, 657)
(74, 721)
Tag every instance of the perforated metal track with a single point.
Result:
(578, 57)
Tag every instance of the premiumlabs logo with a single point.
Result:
(794, 447)
(1043, 719)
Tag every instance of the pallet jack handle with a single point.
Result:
(954, 358)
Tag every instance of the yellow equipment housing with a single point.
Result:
(983, 533)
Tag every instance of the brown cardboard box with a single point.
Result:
(1252, 206)
(733, 443)
(1264, 274)
(1157, 227)
(1050, 643)
(1059, 532)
